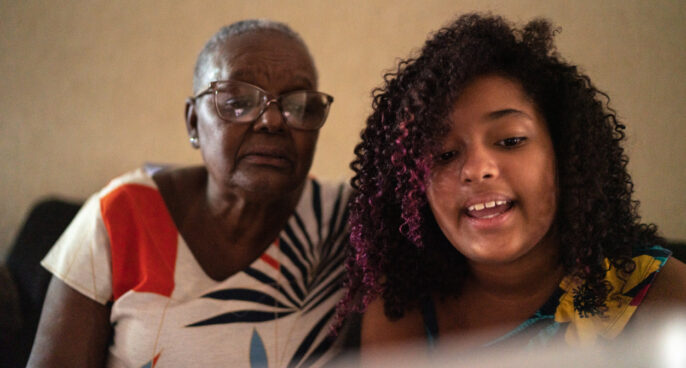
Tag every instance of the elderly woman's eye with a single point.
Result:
(512, 142)
(294, 108)
(236, 107)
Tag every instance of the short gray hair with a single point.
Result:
(235, 29)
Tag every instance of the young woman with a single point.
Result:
(494, 205)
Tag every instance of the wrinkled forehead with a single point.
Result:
(264, 58)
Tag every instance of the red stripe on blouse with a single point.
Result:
(143, 240)
(269, 259)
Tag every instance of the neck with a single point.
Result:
(538, 272)
(243, 216)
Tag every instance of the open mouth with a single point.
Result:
(489, 209)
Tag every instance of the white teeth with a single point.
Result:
(481, 206)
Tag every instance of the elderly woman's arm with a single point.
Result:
(74, 330)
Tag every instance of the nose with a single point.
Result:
(479, 165)
(271, 120)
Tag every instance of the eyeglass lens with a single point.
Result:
(244, 103)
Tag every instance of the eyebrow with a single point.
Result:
(494, 115)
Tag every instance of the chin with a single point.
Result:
(497, 259)
(492, 253)
(267, 186)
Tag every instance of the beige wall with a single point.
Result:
(91, 89)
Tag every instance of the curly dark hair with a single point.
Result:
(397, 249)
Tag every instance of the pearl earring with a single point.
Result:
(194, 142)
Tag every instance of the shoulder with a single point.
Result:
(328, 192)
(669, 287)
(132, 206)
(124, 188)
(666, 296)
(324, 203)
(140, 176)
(378, 331)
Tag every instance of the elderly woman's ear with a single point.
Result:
(191, 123)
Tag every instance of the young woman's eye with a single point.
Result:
(512, 142)
(447, 156)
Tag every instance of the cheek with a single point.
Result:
(436, 188)
(543, 194)
(442, 194)
(219, 143)
(306, 144)
(547, 198)
(444, 180)
(209, 137)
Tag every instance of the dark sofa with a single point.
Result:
(23, 282)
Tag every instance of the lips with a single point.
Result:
(267, 156)
(488, 209)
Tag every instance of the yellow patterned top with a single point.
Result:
(627, 294)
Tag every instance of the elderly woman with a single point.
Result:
(233, 263)
(494, 203)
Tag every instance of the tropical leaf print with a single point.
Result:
(258, 354)
(311, 274)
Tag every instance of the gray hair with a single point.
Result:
(235, 29)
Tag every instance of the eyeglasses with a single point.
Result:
(240, 102)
